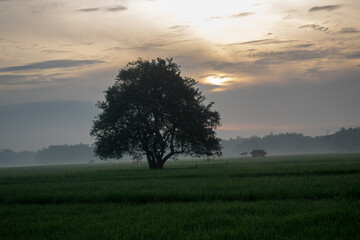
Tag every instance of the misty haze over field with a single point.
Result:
(33, 126)
(343, 141)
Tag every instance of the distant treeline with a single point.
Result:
(63, 154)
(345, 140)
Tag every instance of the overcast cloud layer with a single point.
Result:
(270, 66)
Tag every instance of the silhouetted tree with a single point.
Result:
(151, 109)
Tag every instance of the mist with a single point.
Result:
(342, 141)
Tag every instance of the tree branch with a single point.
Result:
(170, 155)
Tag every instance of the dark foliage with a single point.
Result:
(151, 109)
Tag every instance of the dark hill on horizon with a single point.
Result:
(344, 140)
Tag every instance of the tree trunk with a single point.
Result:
(160, 165)
(155, 165)
(154, 162)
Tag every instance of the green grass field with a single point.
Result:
(286, 197)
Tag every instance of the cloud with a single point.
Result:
(207, 87)
(215, 18)
(353, 56)
(116, 9)
(178, 28)
(152, 45)
(348, 30)
(149, 46)
(292, 55)
(8, 80)
(313, 70)
(315, 27)
(218, 65)
(89, 10)
(19, 79)
(243, 14)
(287, 17)
(324, 8)
(77, 44)
(239, 15)
(104, 9)
(305, 45)
(262, 42)
(143, 47)
(51, 64)
(54, 51)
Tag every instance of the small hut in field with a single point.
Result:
(258, 153)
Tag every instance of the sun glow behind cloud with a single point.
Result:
(197, 11)
(218, 80)
(222, 82)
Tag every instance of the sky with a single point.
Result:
(269, 65)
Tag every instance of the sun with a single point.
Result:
(218, 80)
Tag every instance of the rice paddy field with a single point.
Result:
(283, 197)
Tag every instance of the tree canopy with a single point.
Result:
(151, 109)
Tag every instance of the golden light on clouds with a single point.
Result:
(210, 20)
(196, 11)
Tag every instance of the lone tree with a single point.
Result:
(154, 111)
